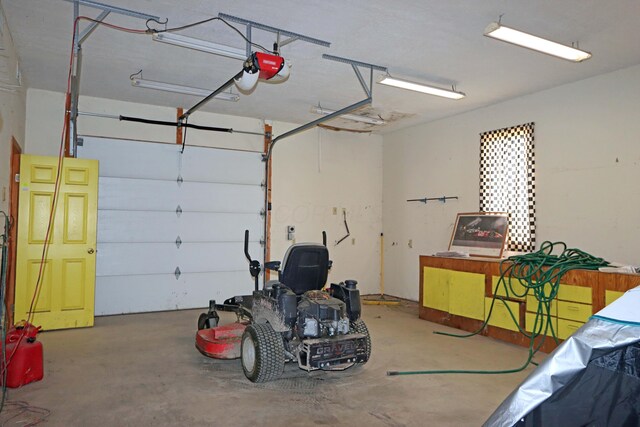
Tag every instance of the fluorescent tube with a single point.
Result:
(201, 45)
(187, 90)
(509, 35)
(419, 87)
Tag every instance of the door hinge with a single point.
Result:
(16, 178)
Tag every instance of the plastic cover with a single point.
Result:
(591, 379)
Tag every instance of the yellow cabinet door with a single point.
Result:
(435, 282)
(500, 316)
(541, 325)
(581, 294)
(611, 296)
(513, 289)
(574, 311)
(567, 327)
(64, 283)
(466, 294)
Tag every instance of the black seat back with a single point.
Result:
(305, 267)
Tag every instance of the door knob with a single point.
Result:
(90, 250)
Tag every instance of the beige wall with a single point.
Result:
(312, 172)
(587, 137)
(12, 113)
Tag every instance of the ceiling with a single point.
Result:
(432, 41)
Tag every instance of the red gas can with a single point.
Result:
(24, 356)
(22, 328)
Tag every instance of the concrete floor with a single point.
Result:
(143, 370)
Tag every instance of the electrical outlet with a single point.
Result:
(410, 243)
(353, 241)
(335, 211)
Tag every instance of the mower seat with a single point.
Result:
(305, 267)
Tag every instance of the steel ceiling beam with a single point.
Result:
(274, 30)
(114, 9)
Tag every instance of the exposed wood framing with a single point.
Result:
(268, 135)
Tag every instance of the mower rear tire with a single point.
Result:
(262, 353)
(359, 327)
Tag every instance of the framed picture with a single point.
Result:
(480, 233)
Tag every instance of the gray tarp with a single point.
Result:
(613, 328)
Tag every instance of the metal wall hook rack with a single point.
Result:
(442, 199)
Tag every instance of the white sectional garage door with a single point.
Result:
(171, 225)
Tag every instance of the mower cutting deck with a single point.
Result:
(221, 342)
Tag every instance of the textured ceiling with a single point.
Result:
(433, 41)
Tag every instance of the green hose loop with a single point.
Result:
(539, 273)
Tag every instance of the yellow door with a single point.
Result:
(65, 298)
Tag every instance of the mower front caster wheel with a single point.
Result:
(208, 320)
(262, 353)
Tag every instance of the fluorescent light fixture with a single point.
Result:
(201, 45)
(354, 117)
(187, 90)
(509, 35)
(419, 87)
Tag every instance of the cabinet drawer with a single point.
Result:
(515, 284)
(611, 296)
(500, 315)
(532, 305)
(574, 311)
(466, 294)
(530, 319)
(567, 327)
(575, 293)
(435, 292)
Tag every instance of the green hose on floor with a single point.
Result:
(539, 273)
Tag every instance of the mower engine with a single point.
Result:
(320, 315)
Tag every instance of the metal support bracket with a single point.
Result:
(76, 67)
(367, 90)
(278, 31)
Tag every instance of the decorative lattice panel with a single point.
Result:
(507, 181)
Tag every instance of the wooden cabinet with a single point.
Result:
(458, 292)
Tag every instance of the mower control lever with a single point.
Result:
(246, 245)
(254, 265)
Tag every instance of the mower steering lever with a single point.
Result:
(254, 265)
(246, 245)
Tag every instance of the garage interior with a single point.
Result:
(170, 141)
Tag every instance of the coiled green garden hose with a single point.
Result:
(539, 273)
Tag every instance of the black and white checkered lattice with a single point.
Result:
(507, 181)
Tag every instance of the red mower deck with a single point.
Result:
(221, 342)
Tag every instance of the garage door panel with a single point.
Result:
(120, 226)
(133, 294)
(218, 227)
(121, 259)
(137, 194)
(224, 256)
(201, 164)
(206, 197)
(134, 194)
(161, 162)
